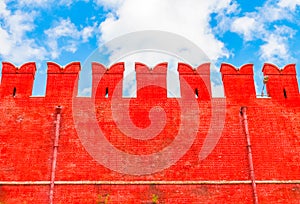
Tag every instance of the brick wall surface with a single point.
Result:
(27, 134)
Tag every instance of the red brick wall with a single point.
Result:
(27, 131)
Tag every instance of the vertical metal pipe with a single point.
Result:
(251, 166)
(55, 150)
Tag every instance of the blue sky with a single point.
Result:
(235, 32)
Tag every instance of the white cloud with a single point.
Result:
(40, 3)
(17, 26)
(246, 26)
(109, 4)
(88, 32)
(264, 25)
(20, 23)
(291, 4)
(15, 45)
(187, 18)
(255, 25)
(276, 48)
(4, 12)
(64, 28)
(271, 12)
(45, 3)
(67, 32)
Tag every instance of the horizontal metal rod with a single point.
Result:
(221, 182)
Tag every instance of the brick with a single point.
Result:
(27, 132)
